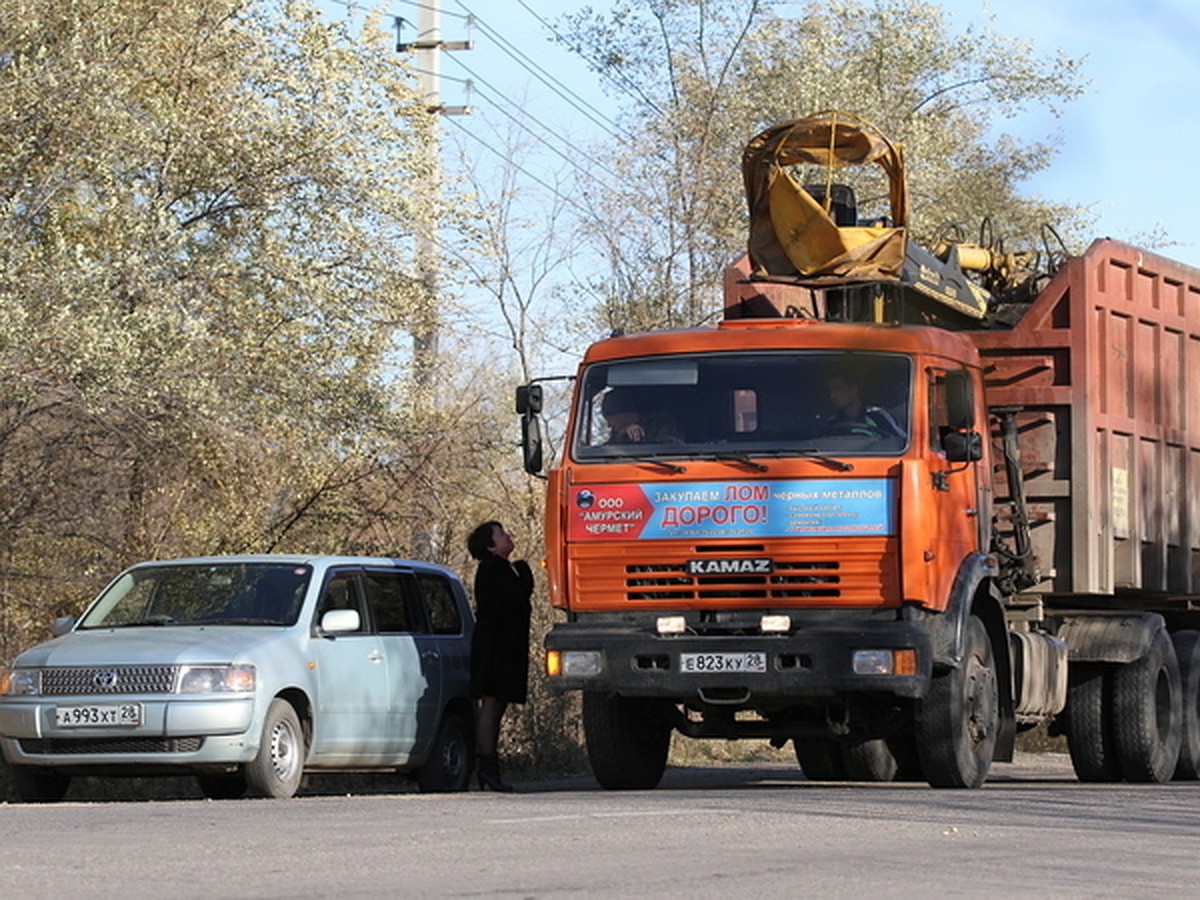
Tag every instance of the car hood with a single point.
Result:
(153, 645)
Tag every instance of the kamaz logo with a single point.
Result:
(730, 566)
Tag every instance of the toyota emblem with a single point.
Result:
(105, 678)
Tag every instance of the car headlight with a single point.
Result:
(216, 679)
(14, 682)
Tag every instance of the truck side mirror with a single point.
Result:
(531, 442)
(963, 446)
(960, 400)
(529, 399)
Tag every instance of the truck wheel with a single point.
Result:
(957, 723)
(821, 760)
(870, 760)
(627, 740)
(448, 768)
(277, 769)
(1089, 724)
(35, 784)
(1187, 650)
(1148, 713)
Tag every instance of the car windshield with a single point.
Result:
(230, 593)
(747, 404)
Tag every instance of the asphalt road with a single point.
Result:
(745, 830)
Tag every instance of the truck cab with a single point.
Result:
(773, 551)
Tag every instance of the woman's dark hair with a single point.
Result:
(479, 541)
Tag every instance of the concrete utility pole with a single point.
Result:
(428, 48)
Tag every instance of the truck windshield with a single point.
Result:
(202, 594)
(820, 402)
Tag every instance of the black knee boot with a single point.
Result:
(489, 775)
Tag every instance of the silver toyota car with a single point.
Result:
(249, 671)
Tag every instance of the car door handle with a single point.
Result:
(375, 656)
(431, 656)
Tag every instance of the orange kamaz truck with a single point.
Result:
(900, 505)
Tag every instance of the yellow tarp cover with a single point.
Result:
(791, 234)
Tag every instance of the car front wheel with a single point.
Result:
(277, 769)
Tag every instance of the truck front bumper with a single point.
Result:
(810, 664)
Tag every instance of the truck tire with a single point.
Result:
(1148, 713)
(820, 760)
(958, 722)
(1187, 650)
(1089, 731)
(627, 740)
(892, 758)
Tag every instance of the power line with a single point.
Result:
(579, 103)
(623, 83)
(553, 190)
(499, 100)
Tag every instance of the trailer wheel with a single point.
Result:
(958, 722)
(1187, 649)
(627, 740)
(1148, 713)
(1089, 724)
(821, 760)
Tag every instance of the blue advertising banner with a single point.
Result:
(833, 507)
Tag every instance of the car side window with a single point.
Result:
(444, 616)
(391, 604)
(341, 592)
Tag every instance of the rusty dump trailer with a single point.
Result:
(900, 505)
(1104, 367)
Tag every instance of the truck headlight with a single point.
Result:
(216, 679)
(885, 662)
(578, 663)
(20, 682)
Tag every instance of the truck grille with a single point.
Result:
(73, 680)
(862, 572)
(68, 746)
(789, 580)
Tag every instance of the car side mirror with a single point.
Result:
(62, 625)
(340, 621)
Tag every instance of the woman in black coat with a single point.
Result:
(500, 646)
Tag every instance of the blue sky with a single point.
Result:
(1126, 146)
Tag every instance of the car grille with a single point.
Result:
(72, 680)
(61, 746)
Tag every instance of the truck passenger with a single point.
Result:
(628, 425)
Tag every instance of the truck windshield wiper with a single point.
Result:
(833, 463)
(811, 453)
(654, 461)
(743, 458)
